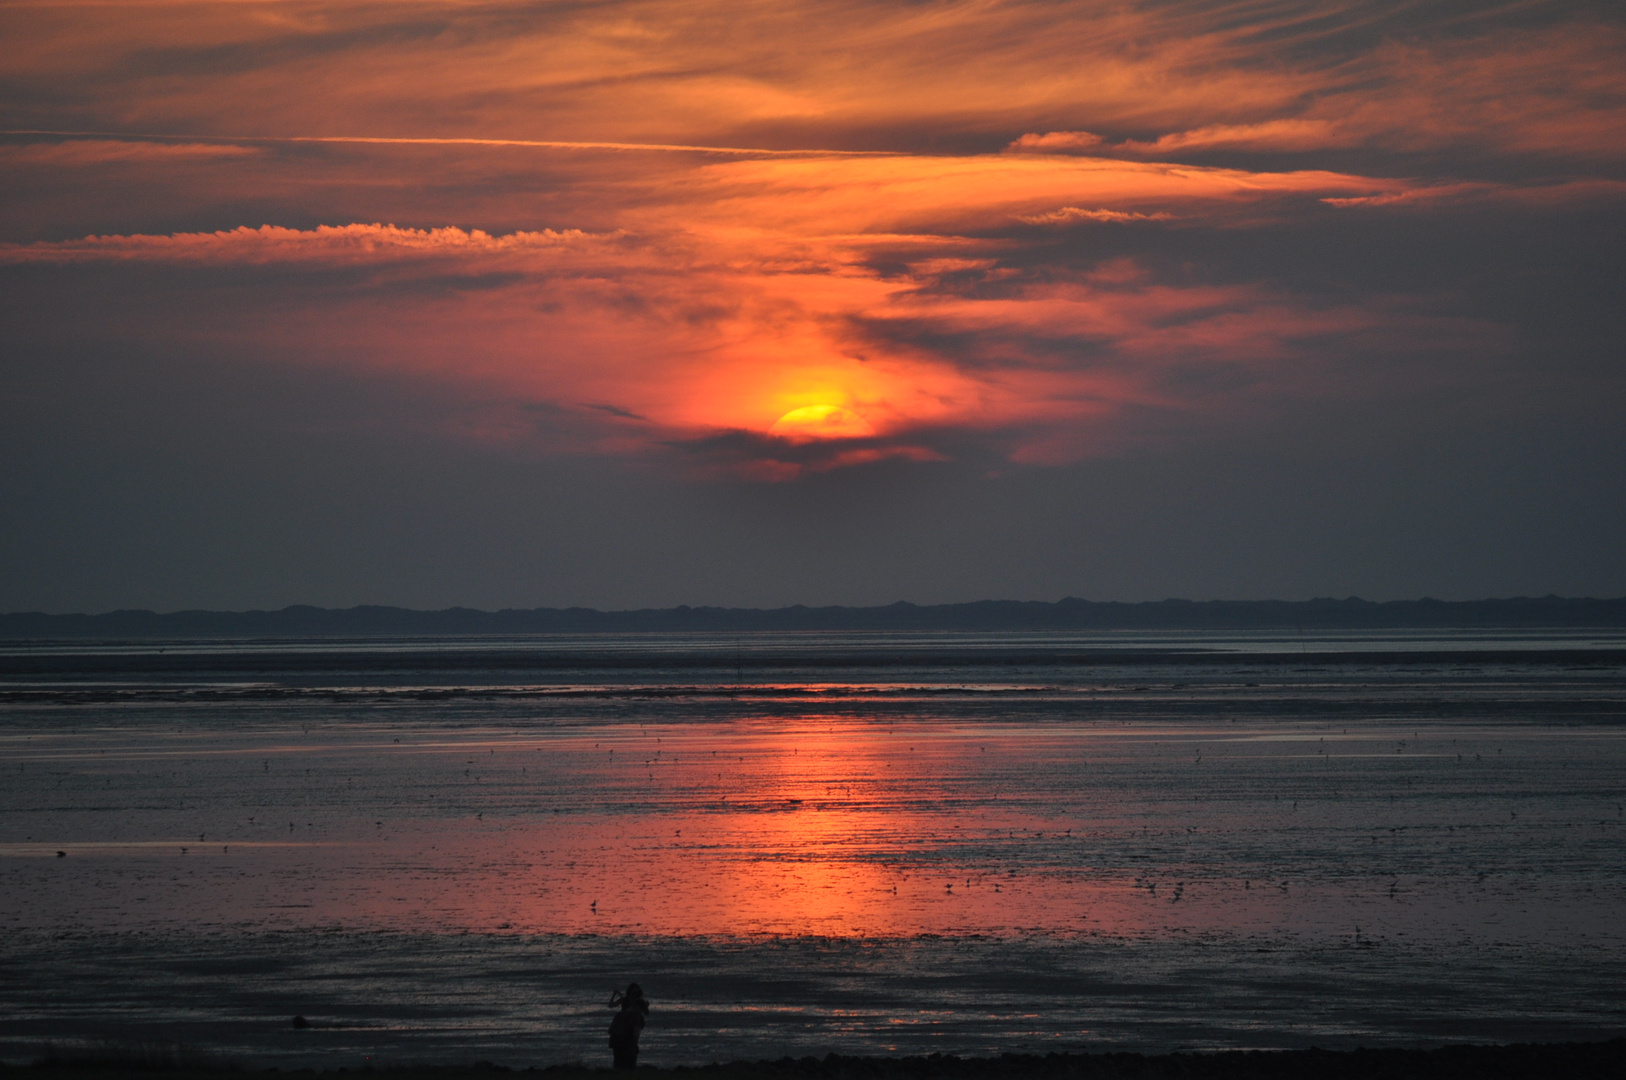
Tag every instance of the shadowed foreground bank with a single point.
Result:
(1572, 1061)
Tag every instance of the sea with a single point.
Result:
(452, 850)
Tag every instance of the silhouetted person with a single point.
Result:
(624, 1029)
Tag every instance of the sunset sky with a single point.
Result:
(631, 304)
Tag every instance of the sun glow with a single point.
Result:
(813, 422)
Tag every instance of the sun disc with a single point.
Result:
(812, 422)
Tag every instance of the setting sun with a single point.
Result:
(813, 422)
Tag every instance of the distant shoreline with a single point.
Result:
(1548, 613)
(1537, 1061)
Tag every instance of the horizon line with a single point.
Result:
(896, 604)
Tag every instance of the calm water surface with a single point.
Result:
(451, 850)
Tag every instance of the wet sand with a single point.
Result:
(383, 999)
(1602, 1060)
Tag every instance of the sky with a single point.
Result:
(627, 304)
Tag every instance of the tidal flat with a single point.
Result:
(449, 850)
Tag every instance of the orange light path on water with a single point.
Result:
(767, 828)
(842, 825)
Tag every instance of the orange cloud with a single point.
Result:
(1069, 214)
(1569, 192)
(1058, 142)
(680, 223)
(369, 244)
(1536, 78)
(1290, 134)
(1284, 134)
(891, 195)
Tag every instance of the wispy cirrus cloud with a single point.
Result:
(1279, 135)
(1532, 78)
(80, 152)
(1547, 89)
(1291, 135)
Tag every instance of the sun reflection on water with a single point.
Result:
(841, 825)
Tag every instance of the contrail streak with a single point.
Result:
(541, 144)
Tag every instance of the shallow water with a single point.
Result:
(805, 843)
